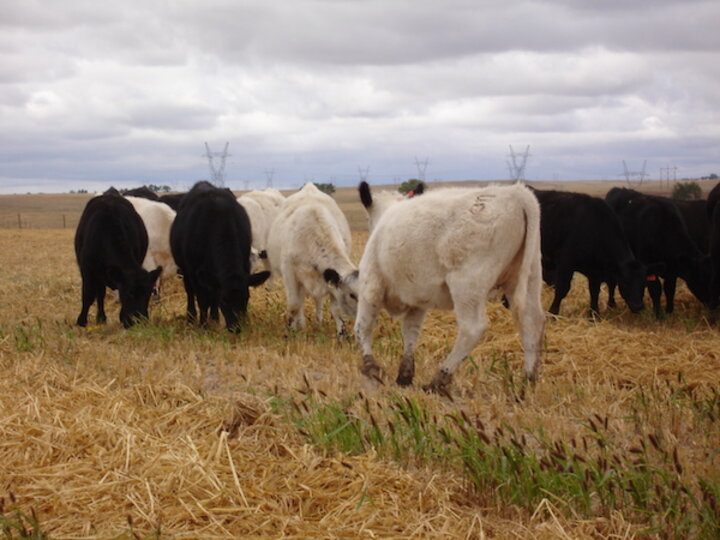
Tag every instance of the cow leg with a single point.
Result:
(101, 318)
(611, 294)
(318, 299)
(191, 314)
(411, 327)
(336, 312)
(654, 289)
(594, 288)
(364, 323)
(563, 277)
(669, 287)
(203, 307)
(295, 294)
(472, 323)
(88, 297)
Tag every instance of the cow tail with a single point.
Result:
(529, 284)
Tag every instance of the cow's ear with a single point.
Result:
(365, 195)
(331, 276)
(258, 278)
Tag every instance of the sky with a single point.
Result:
(127, 93)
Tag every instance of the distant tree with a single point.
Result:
(409, 185)
(82, 191)
(713, 176)
(325, 188)
(684, 191)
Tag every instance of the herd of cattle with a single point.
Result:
(447, 249)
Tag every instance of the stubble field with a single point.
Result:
(167, 430)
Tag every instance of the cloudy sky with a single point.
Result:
(125, 93)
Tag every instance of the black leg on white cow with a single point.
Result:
(411, 327)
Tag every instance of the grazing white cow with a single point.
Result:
(157, 218)
(262, 207)
(447, 250)
(309, 246)
(260, 227)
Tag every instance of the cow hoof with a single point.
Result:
(404, 380)
(440, 384)
(370, 369)
(406, 371)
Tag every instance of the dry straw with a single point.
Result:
(169, 430)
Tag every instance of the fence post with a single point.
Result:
(63, 221)
(19, 221)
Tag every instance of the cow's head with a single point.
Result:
(234, 297)
(344, 290)
(697, 275)
(135, 288)
(376, 204)
(631, 283)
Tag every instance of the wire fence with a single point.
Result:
(39, 220)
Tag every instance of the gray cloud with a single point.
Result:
(95, 93)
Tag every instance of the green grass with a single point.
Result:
(14, 523)
(588, 476)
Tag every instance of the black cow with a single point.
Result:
(210, 241)
(143, 192)
(694, 214)
(110, 244)
(713, 213)
(658, 236)
(172, 200)
(580, 233)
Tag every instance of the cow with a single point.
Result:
(695, 216)
(713, 213)
(308, 247)
(260, 228)
(581, 233)
(110, 245)
(658, 236)
(157, 218)
(448, 250)
(376, 204)
(143, 192)
(263, 207)
(172, 200)
(210, 241)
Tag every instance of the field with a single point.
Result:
(166, 430)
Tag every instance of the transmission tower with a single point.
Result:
(628, 174)
(217, 174)
(517, 169)
(421, 168)
(364, 173)
(269, 173)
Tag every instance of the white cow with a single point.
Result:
(309, 245)
(157, 217)
(262, 207)
(260, 227)
(447, 250)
